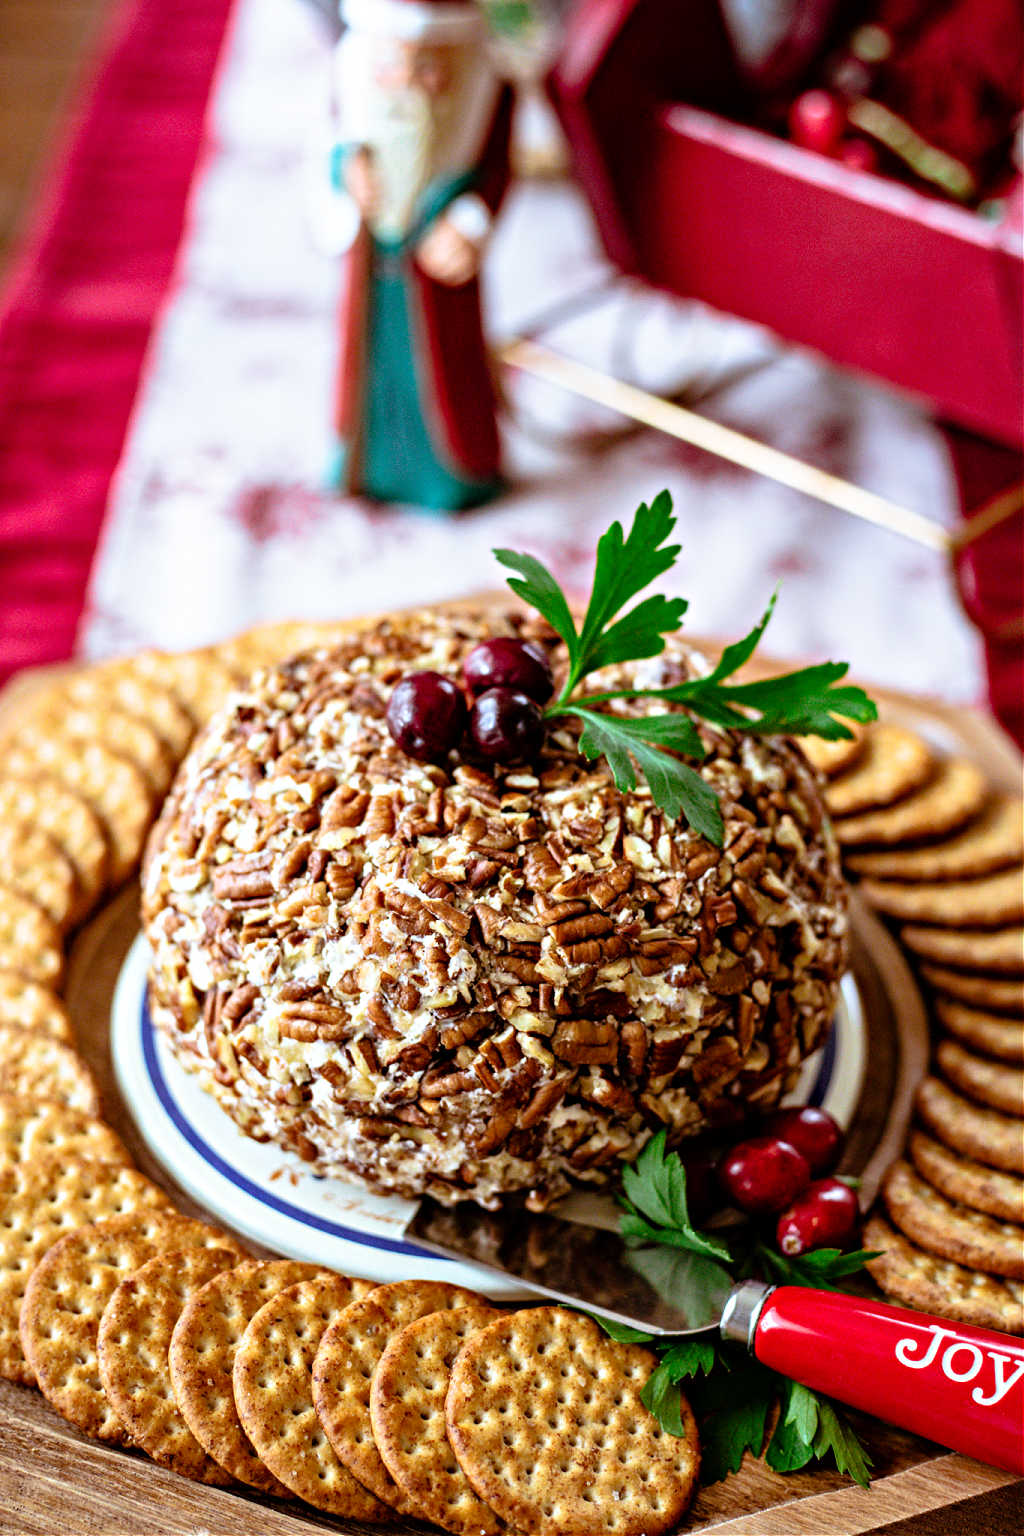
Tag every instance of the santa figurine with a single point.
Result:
(418, 170)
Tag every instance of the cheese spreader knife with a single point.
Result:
(950, 1382)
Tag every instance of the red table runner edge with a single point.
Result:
(79, 307)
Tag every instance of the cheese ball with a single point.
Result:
(473, 981)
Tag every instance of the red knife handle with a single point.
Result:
(961, 1386)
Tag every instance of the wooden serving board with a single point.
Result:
(53, 1480)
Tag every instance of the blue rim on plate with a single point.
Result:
(238, 1180)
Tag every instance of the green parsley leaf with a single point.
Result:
(540, 589)
(637, 635)
(676, 788)
(624, 566)
(737, 655)
(693, 1357)
(622, 1333)
(732, 1406)
(820, 1268)
(662, 1397)
(792, 1443)
(836, 1435)
(806, 702)
(656, 1205)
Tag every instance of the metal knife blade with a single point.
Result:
(658, 1290)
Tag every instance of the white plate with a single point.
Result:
(272, 1197)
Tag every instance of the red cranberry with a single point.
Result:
(507, 663)
(763, 1174)
(813, 1132)
(816, 121)
(506, 726)
(859, 155)
(825, 1216)
(426, 715)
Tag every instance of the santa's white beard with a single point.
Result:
(401, 134)
(412, 137)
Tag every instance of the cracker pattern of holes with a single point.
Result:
(583, 1395)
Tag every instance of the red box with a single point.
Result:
(873, 273)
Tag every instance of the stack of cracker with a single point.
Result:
(146, 1328)
(939, 853)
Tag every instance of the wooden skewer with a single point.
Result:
(994, 512)
(543, 363)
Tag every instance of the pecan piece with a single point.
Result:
(233, 884)
(608, 887)
(543, 1102)
(585, 1042)
(495, 1133)
(633, 1036)
(239, 1003)
(438, 1084)
(590, 925)
(312, 1020)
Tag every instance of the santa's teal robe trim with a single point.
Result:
(398, 460)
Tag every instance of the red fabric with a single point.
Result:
(80, 305)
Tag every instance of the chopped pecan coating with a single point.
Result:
(445, 979)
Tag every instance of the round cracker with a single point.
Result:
(955, 793)
(39, 1203)
(346, 1360)
(989, 902)
(919, 1279)
(986, 992)
(33, 1006)
(30, 1130)
(962, 1179)
(1001, 950)
(114, 787)
(952, 1231)
(894, 763)
(30, 941)
(986, 1032)
(273, 1388)
(199, 680)
(407, 1416)
(37, 867)
(59, 717)
(834, 757)
(545, 1417)
(44, 802)
(994, 840)
(132, 1344)
(988, 1137)
(991, 1083)
(202, 1357)
(67, 1293)
(119, 683)
(34, 1065)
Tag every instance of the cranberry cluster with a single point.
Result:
(508, 680)
(781, 1172)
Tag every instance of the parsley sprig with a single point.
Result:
(732, 1395)
(655, 1204)
(807, 702)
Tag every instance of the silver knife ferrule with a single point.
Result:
(742, 1311)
